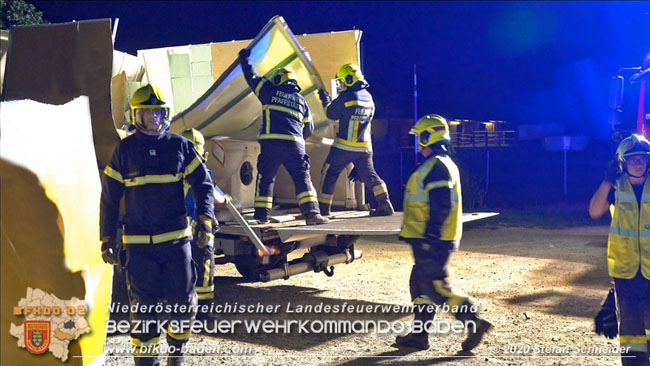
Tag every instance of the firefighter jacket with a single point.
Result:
(149, 171)
(628, 246)
(432, 202)
(285, 113)
(354, 109)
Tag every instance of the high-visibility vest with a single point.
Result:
(416, 201)
(628, 247)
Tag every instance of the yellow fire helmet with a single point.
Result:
(348, 75)
(149, 97)
(199, 142)
(634, 145)
(430, 129)
(283, 75)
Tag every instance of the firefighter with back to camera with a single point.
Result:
(354, 109)
(286, 123)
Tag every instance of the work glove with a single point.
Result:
(325, 97)
(204, 237)
(613, 172)
(110, 251)
(244, 54)
(606, 320)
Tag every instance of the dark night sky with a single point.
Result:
(523, 62)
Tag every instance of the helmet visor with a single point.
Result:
(152, 119)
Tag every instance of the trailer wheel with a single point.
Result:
(249, 269)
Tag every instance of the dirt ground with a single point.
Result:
(539, 287)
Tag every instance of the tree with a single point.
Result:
(18, 12)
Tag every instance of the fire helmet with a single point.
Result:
(430, 129)
(634, 145)
(348, 75)
(198, 140)
(284, 75)
(149, 97)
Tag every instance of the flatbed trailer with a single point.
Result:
(324, 245)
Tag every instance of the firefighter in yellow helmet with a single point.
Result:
(354, 109)
(432, 225)
(628, 246)
(203, 257)
(148, 169)
(286, 123)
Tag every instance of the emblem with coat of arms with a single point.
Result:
(37, 335)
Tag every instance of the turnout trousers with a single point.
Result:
(204, 260)
(336, 161)
(292, 155)
(155, 273)
(633, 304)
(428, 282)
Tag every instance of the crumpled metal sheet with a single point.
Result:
(50, 218)
(230, 108)
(55, 63)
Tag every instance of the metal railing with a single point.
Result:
(484, 139)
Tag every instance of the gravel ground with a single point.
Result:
(539, 287)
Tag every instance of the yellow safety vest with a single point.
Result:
(628, 247)
(416, 201)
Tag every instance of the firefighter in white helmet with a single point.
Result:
(354, 109)
(148, 169)
(628, 246)
(432, 225)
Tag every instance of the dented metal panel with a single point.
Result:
(229, 107)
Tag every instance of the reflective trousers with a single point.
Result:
(154, 274)
(336, 161)
(292, 155)
(428, 283)
(633, 305)
(204, 260)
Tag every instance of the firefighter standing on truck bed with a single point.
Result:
(148, 168)
(433, 226)
(354, 109)
(628, 245)
(286, 122)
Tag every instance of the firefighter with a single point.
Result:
(354, 109)
(203, 257)
(148, 168)
(286, 122)
(628, 246)
(432, 225)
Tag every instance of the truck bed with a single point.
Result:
(341, 223)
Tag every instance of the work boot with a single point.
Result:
(384, 208)
(315, 219)
(474, 337)
(418, 340)
(414, 340)
(325, 209)
(261, 219)
(175, 360)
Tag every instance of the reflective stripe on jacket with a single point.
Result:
(149, 172)
(416, 201)
(354, 109)
(285, 113)
(628, 246)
